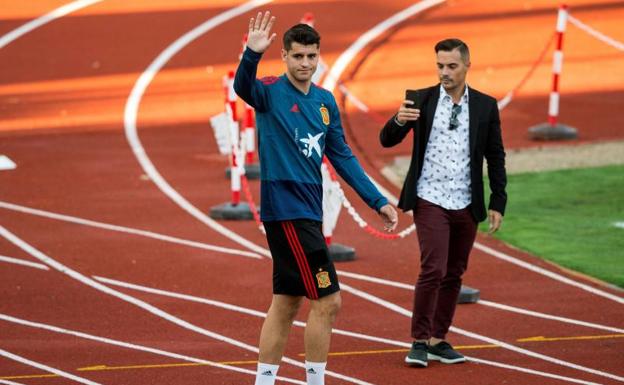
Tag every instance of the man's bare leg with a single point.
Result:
(318, 335)
(274, 335)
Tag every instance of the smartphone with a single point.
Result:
(414, 96)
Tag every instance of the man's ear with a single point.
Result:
(284, 54)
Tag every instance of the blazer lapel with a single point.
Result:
(431, 108)
(473, 126)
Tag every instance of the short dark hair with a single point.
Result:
(448, 45)
(302, 34)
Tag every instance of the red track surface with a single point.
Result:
(63, 91)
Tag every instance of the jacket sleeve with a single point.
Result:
(392, 133)
(250, 89)
(347, 165)
(495, 156)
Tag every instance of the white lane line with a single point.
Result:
(127, 230)
(514, 309)
(239, 309)
(132, 108)
(549, 316)
(330, 83)
(550, 274)
(347, 56)
(48, 17)
(146, 306)
(46, 368)
(256, 313)
(407, 313)
(532, 371)
(335, 331)
(23, 263)
(6, 163)
(377, 280)
(128, 345)
(7, 382)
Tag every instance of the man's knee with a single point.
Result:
(328, 306)
(286, 306)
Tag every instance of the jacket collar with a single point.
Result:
(473, 110)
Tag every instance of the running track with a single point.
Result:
(127, 286)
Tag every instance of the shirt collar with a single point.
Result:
(444, 94)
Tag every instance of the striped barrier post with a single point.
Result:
(552, 130)
(235, 209)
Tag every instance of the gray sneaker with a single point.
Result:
(417, 355)
(444, 352)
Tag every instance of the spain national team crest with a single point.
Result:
(324, 115)
(323, 280)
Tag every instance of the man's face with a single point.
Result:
(451, 69)
(301, 61)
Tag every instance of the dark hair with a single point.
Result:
(448, 45)
(302, 34)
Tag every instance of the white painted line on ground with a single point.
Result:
(407, 313)
(549, 316)
(239, 309)
(514, 309)
(127, 230)
(256, 313)
(547, 273)
(46, 368)
(347, 56)
(146, 306)
(48, 17)
(23, 263)
(7, 382)
(619, 224)
(132, 108)
(381, 281)
(6, 163)
(518, 262)
(330, 83)
(335, 331)
(128, 345)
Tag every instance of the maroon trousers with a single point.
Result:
(446, 238)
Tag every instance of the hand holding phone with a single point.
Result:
(410, 108)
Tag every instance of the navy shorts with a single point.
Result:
(301, 264)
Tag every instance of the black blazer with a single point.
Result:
(485, 141)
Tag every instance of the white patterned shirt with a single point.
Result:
(445, 177)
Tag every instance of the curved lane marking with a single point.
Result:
(48, 17)
(132, 108)
(127, 230)
(143, 348)
(483, 302)
(330, 83)
(148, 307)
(347, 56)
(407, 313)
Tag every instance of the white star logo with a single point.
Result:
(312, 144)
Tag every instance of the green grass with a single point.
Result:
(567, 217)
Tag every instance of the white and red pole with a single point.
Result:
(308, 18)
(553, 105)
(230, 108)
(250, 134)
(230, 94)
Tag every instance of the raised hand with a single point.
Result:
(407, 113)
(259, 37)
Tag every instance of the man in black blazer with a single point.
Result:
(454, 127)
